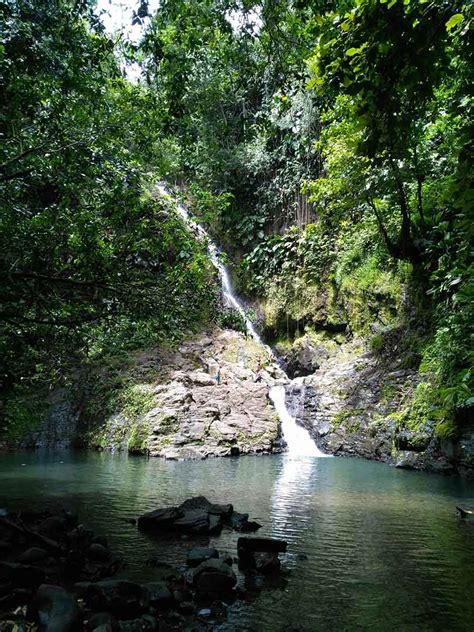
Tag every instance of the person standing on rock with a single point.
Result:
(258, 370)
(214, 370)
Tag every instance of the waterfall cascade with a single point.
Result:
(297, 438)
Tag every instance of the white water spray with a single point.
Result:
(297, 438)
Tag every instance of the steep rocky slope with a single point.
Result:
(169, 403)
(352, 404)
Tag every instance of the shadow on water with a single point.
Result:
(370, 547)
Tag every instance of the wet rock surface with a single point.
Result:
(60, 426)
(350, 405)
(303, 358)
(214, 577)
(203, 399)
(260, 555)
(67, 583)
(196, 516)
(200, 554)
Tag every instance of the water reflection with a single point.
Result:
(292, 495)
(383, 548)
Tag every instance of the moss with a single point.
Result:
(137, 441)
(369, 294)
(389, 391)
(376, 342)
(167, 425)
(136, 400)
(288, 306)
(346, 419)
(424, 411)
(23, 413)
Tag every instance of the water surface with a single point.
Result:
(385, 549)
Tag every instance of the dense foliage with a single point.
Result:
(339, 135)
(90, 259)
(326, 144)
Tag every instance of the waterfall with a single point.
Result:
(297, 438)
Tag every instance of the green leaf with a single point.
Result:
(454, 21)
(352, 51)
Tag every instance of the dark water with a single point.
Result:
(385, 549)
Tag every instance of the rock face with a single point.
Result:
(59, 429)
(205, 402)
(350, 406)
(304, 358)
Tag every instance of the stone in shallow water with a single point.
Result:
(214, 577)
(122, 598)
(159, 594)
(260, 554)
(200, 554)
(266, 563)
(240, 522)
(196, 516)
(56, 609)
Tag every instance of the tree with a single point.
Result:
(390, 58)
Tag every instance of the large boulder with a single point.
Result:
(260, 554)
(160, 519)
(192, 518)
(55, 609)
(124, 599)
(214, 577)
(195, 516)
(200, 554)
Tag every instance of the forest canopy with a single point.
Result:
(325, 145)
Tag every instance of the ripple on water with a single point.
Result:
(384, 549)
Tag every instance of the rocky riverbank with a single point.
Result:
(58, 576)
(209, 397)
(205, 398)
(350, 398)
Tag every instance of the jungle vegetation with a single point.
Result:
(326, 144)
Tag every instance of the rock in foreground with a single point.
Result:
(214, 577)
(260, 554)
(196, 516)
